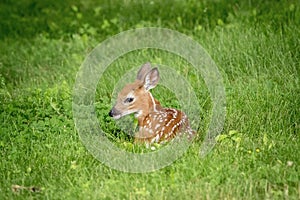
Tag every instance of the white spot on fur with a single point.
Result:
(157, 138)
(157, 126)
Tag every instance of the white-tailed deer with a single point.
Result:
(156, 124)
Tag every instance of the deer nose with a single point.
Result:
(111, 113)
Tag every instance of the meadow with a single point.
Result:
(256, 46)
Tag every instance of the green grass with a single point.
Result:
(256, 47)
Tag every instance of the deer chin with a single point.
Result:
(117, 117)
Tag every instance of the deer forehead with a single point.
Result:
(132, 89)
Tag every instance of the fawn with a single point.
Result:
(156, 124)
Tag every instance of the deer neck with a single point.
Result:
(152, 105)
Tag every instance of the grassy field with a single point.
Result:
(256, 47)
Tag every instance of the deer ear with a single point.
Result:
(151, 79)
(143, 71)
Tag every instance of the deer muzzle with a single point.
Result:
(115, 113)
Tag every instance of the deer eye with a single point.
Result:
(129, 100)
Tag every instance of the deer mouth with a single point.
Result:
(117, 115)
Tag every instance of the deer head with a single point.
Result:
(136, 97)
